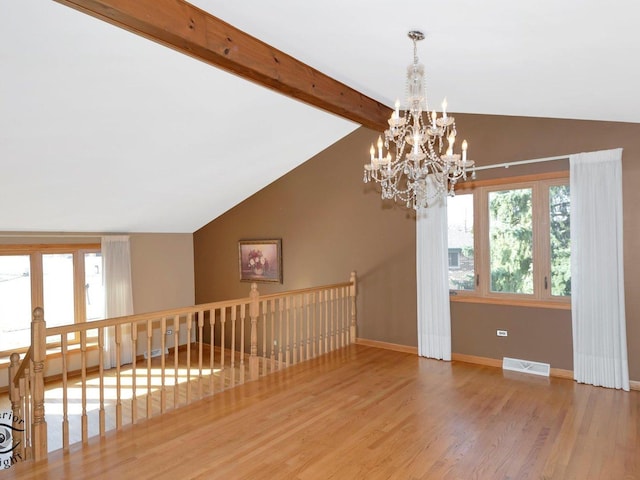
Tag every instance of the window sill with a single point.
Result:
(511, 302)
(52, 352)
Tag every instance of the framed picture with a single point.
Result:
(260, 260)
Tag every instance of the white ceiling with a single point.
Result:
(103, 131)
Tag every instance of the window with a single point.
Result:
(57, 286)
(520, 240)
(15, 303)
(454, 258)
(66, 280)
(559, 240)
(461, 242)
(93, 286)
(511, 241)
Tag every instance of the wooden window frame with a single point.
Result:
(541, 242)
(35, 252)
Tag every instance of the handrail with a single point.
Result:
(140, 317)
(305, 290)
(23, 366)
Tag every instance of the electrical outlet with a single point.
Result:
(501, 333)
(169, 331)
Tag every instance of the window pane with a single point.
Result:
(559, 225)
(460, 220)
(15, 302)
(57, 285)
(454, 259)
(94, 289)
(511, 241)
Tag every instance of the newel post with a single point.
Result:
(254, 311)
(352, 294)
(39, 346)
(14, 396)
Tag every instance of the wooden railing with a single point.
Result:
(174, 358)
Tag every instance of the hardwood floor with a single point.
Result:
(367, 413)
(180, 389)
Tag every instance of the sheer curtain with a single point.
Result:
(434, 317)
(597, 270)
(116, 255)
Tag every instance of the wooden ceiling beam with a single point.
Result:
(194, 32)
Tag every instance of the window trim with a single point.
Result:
(35, 252)
(481, 293)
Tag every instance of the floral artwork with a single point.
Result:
(260, 260)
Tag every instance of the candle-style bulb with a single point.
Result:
(465, 146)
(444, 108)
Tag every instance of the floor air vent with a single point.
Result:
(155, 353)
(526, 366)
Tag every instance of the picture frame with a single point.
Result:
(260, 260)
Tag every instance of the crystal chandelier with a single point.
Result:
(419, 171)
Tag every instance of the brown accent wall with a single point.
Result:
(537, 333)
(331, 223)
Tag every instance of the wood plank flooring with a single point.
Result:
(367, 413)
(181, 387)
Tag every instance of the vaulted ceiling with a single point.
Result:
(102, 130)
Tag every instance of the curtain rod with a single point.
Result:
(520, 162)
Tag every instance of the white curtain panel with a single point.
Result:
(597, 273)
(434, 317)
(116, 255)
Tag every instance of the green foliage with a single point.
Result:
(511, 236)
(560, 237)
(467, 283)
(467, 251)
